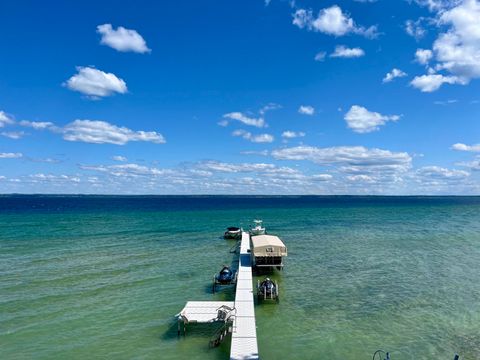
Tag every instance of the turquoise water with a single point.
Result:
(100, 279)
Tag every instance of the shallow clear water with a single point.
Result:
(103, 277)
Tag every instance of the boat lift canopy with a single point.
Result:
(268, 245)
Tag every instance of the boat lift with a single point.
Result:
(226, 276)
(206, 312)
(267, 290)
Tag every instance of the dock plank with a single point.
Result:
(244, 335)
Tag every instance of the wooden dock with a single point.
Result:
(244, 332)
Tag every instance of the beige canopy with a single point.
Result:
(268, 245)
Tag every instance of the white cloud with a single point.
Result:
(344, 52)
(119, 158)
(423, 56)
(321, 177)
(446, 102)
(44, 160)
(292, 134)
(10, 155)
(432, 82)
(352, 156)
(254, 152)
(127, 170)
(248, 119)
(217, 166)
(269, 107)
(395, 73)
(331, 21)
(54, 178)
(320, 56)
(415, 29)
(13, 134)
(439, 173)
(457, 50)
(122, 39)
(306, 110)
(262, 138)
(37, 125)
(5, 119)
(438, 5)
(361, 178)
(472, 165)
(251, 121)
(96, 83)
(101, 132)
(464, 147)
(360, 120)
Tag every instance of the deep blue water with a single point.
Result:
(89, 203)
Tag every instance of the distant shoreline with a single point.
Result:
(236, 196)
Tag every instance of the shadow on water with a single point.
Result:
(202, 332)
(227, 292)
(194, 330)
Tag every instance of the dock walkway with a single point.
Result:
(244, 332)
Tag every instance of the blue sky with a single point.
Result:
(240, 97)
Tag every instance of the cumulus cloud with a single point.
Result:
(10, 155)
(395, 73)
(432, 82)
(361, 120)
(251, 121)
(207, 177)
(37, 125)
(261, 138)
(96, 83)
(457, 50)
(464, 147)
(292, 134)
(255, 152)
(306, 110)
(5, 119)
(102, 132)
(440, 173)
(344, 52)
(13, 134)
(54, 178)
(122, 39)
(472, 165)
(415, 28)
(438, 5)
(217, 166)
(423, 56)
(119, 158)
(127, 170)
(321, 177)
(269, 107)
(331, 21)
(350, 156)
(361, 178)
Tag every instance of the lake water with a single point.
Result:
(102, 277)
